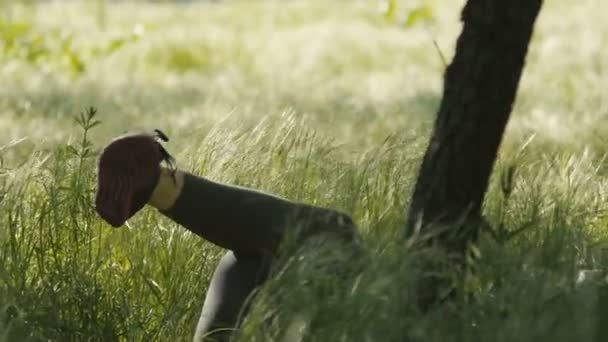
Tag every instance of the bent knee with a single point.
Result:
(320, 221)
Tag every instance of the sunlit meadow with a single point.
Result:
(326, 102)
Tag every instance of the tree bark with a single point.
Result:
(480, 86)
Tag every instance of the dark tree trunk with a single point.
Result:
(480, 86)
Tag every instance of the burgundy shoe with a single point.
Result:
(128, 171)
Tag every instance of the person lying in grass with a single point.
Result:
(250, 224)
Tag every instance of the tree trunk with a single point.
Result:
(480, 86)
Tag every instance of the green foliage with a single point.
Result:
(316, 101)
(27, 42)
(86, 280)
(193, 57)
(66, 276)
(409, 16)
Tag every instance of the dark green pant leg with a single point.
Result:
(232, 283)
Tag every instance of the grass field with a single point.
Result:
(326, 102)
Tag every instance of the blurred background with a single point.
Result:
(359, 70)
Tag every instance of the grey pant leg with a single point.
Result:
(233, 281)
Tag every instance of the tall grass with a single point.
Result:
(326, 103)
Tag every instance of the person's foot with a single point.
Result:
(128, 170)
